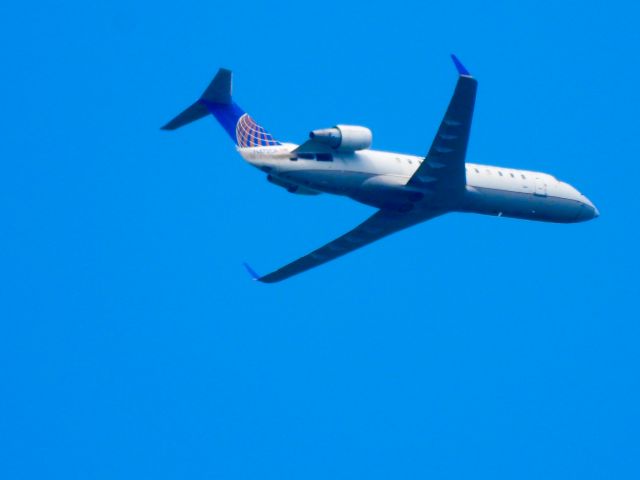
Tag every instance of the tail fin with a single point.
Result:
(216, 100)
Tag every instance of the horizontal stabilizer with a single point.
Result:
(218, 92)
(191, 114)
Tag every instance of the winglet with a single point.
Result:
(459, 66)
(251, 271)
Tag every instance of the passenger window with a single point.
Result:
(488, 171)
(512, 176)
(500, 173)
(306, 156)
(324, 157)
(477, 171)
(523, 177)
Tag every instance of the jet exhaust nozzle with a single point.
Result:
(328, 136)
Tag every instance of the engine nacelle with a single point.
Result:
(346, 138)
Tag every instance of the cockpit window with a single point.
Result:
(324, 157)
(306, 156)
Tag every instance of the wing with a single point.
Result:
(380, 224)
(443, 168)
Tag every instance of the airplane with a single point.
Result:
(406, 189)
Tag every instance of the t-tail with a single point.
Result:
(216, 100)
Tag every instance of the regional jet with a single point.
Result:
(405, 189)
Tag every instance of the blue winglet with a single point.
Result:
(251, 271)
(459, 66)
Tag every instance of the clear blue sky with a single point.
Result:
(134, 345)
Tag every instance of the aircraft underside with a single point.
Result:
(391, 192)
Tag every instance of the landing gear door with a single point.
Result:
(541, 187)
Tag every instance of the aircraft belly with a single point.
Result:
(382, 191)
(520, 205)
(330, 181)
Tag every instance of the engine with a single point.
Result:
(346, 138)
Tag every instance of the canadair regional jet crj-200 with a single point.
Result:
(405, 189)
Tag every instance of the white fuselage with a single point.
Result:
(376, 178)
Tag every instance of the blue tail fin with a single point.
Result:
(216, 100)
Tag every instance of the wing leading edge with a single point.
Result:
(379, 225)
(442, 170)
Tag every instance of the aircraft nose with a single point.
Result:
(588, 211)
